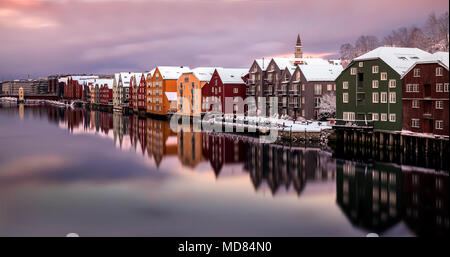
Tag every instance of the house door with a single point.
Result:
(427, 90)
(428, 126)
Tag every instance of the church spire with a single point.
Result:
(298, 48)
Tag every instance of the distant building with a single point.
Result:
(30, 87)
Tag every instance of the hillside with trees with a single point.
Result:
(433, 36)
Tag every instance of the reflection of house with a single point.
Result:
(426, 201)
(189, 148)
(285, 166)
(370, 196)
(221, 150)
(160, 140)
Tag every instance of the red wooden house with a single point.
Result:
(225, 82)
(141, 95)
(133, 92)
(426, 97)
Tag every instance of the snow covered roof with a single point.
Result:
(291, 63)
(172, 72)
(108, 82)
(204, 73)
(84, 77)
(171, 96)
(232, 75)
(263, 63)
(398, 58)
(443, 57)
(321, 72)
(126, 77)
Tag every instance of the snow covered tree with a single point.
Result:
(327, 107)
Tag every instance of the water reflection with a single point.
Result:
(373, 196)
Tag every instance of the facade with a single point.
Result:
(138, 89)
(190, 100)
(308, 86)
(162, 89)
(425, 98)
(121, 89)
(30, 87)
(224, 83)
(103, 91)
(256, 84)
(370, 88)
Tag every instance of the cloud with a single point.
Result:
(47, 37)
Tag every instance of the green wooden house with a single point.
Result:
(369, 90)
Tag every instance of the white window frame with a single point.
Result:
(392, 117)
(415, 123)
(446, 87)
(375, 83)
(345, 98)
(416, 72)
(235, 90)
(329, 87)
(439, 71)
(383, 97)
(348, 116)
(439, 87)
(392, 83)
(439, 105)
(353, 71)
(392, 97)
(415, 106)
(375, 69)
(439, 124)
(361, 64)
(383, 76)
(383, 117)
(375, 97)
(344, 85)
(375, 116)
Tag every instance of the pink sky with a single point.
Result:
(42, 37)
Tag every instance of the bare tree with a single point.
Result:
(437, 30)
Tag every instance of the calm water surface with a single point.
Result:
(102, 174)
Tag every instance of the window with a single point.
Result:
(303, 87)
(375, 97)
(439, 71)
(345, 85)
(316, 102)
(353, 71)
(415, 104)
(375, 84)
(361, 64)
(445, 87)
(415, 123)
(383, 96)
(329, 87)
(345, 97)
(392, 83)
(349, 116)
(383, 117)
(392, 117)
(375, 116)
(235, 90)
(317, 89)
(392, 97)
(374, 69)
(287, 77)
(439, 105)
(439, 87)
(303, 100)
(416, 73)
(383, 76)
(415, 88)
(439, 124)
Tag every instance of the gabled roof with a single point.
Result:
(399, 59)
(438, 57)
(108, 82)
(321, 72)
(126, 77)
(232, 75)
(292, 63)
(172, 72)
(263, 63)
(204, 73)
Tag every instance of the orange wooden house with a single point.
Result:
(162, 89)
(189, 90)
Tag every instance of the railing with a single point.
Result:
(354, 123)
(427, 115)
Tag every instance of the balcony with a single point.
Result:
(282, 92)
(251, 82)
(294, 105)
(294, 91)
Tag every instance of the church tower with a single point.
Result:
(298, 48)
